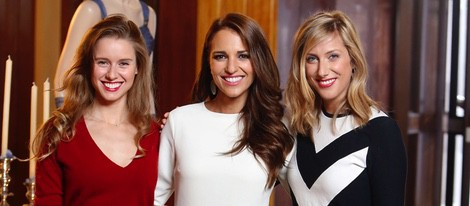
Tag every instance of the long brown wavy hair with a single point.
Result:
(303, 102)
(80, 93)
(264, 133)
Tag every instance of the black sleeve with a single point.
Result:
(388, 163)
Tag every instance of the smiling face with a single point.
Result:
(114, 69)
(231, 66)
(329, 71)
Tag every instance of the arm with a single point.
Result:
(152, 25)
(388, 165)
(49, 189)
(166, 165)
(86, 15)
(282, 178)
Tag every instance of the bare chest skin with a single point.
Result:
(116, 141)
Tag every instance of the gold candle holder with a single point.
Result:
(5, 177)
(30, 184)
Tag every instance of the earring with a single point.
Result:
(213, 88)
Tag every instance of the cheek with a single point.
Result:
(216, 66)
(95, 76)
(131, 75)
(347, 68)
(248, 68)
(98, 72)
(310, 71)
(310, 74)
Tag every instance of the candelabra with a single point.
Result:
(30, 184)
(5, 177)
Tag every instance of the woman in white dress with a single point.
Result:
(229, 147)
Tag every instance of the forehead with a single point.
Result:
(227, 38)
(114, 46)
(328, 41)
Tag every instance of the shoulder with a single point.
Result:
(154, 127)
(152, 12)
(376, 113)
(153, 135)
(383, 124)
(185, 112)
(86, 15)
(384, 132)
(189, 108)
(152, 18)
(88, 7)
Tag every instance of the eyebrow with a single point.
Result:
(107, 59)
(328, 52)
(224, 52)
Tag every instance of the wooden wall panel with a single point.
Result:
(263, 11)
(17, 40)
(418, 103)
(175, 57)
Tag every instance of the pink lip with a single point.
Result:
(325, 83)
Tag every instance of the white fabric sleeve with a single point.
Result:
(283, 172)
(166, 165)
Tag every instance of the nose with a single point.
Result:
(232, 66)
(323, 68)
(112, 73)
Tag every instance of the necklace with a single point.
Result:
(104, 121)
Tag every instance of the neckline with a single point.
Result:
(219, 113)
(98, 149)
(329, 115)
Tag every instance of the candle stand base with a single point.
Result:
(30, 184)
(5, 178)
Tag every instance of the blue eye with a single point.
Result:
(102, 63)
(333, 56)
(311, 59)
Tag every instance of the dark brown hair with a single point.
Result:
(264, 133)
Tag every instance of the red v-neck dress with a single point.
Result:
(79, 173)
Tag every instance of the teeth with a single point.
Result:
(112, 85)
(233, 79)
(327, 82)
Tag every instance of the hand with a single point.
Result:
(163, 120)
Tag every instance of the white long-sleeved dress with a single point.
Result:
(192, 163)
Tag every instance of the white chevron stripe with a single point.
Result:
(341, 173)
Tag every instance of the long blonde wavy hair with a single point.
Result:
(303, 102)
